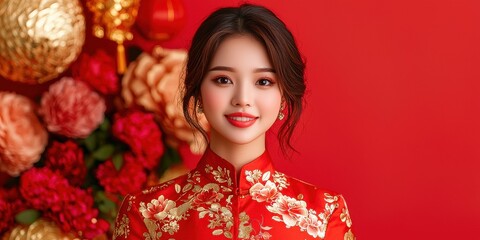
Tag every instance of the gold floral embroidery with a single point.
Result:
(122, 228)
(345, 217)
(349, 235)
(280, 179)
(162, 215)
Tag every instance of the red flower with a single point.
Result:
(77, 214)
(130, 178)
(71, 108)
(98, 71)
(67, 159)
(41, 188)
(10, 204)
(142, 134)
(207, 196)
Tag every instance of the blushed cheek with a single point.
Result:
(213, 101)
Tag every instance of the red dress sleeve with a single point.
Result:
(129, 223)
(340, 224)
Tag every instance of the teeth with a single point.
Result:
(242, 119)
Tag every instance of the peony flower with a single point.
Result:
(262, 193)
(41, 188)
(207, 196)
(313, 226)
(98, 71)
(22, 137)
(157, 208)
(71, 108)
(130, 178)
(290, 209)
(153, 82)
(142, 134)
(67, 159)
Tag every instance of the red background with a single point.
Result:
(393, 109)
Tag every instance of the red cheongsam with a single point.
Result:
(210, 203)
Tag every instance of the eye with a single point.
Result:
(222, 80)
(265, 82)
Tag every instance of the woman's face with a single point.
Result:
(240, 93)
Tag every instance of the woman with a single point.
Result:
(244, 72)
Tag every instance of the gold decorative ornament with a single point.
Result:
(39, 39)
(39, 230)
(42, 229)
(113, 19)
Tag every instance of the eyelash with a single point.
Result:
(269, 82)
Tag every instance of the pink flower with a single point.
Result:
(157, 208)
(262, 193)
(142, 134)
(71, 108)
(22, 137)
(313, 226)
(130, 178)
(98, 71)
(67, 159)
(290, 209)
(41, 188)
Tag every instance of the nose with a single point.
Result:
(242, 96)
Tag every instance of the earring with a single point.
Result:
(199, 108)
(281, 115)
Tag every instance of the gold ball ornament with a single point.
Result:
(39, 230)
(39, 39)
(42, 229)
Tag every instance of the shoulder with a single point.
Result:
(316, 197)
(166, 190)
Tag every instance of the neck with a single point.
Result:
(238, 154)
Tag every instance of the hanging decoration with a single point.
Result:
(39, 39)
(113, 19)
(160, 20)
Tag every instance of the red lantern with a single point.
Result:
(160, 19)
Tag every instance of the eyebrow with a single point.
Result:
(230, 69)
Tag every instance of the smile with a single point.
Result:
(241, 120)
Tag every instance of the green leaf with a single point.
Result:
(91, 142)
(117, 161)
(89, 161)
(169, 158)
(105, 126)
(105, 205)
(27, 216)
(104, 152)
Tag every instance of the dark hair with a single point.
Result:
(279, 42)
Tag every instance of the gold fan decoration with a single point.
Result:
(113, 19)
(39, 39)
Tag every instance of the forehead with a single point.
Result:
(241, 51)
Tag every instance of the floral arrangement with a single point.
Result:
(92, 138)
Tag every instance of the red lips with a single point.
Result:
(241, 119)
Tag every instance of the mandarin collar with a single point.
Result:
(241, 185)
